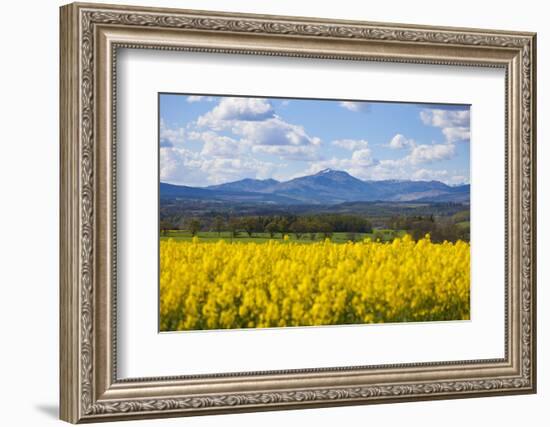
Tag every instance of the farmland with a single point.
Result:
(213, 237)
(245, 284)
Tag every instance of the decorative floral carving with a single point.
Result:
(89, 18)
(87, 211)
(289, 397)
(247, 25)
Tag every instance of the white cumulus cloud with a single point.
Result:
(194, 98)
(445, 118)
(356, 165)
(430, 153)
(454, 134)
(199, 98)
(215, 145)
(429, 175)
(288, 152)
(226, 170)
(253, 122)
(356, 106)
(362, 158)
(454, 124)
(273, 131)
(399, 141)
(170, 137)
(181, 166)
(232, 109)
(351, 144)
(363, 165)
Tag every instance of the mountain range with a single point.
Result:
(327, 187)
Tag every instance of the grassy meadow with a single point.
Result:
(337, 237)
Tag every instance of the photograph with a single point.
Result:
(261, 210)
(286, 212)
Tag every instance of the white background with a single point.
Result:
(29, 171)
(145, 353)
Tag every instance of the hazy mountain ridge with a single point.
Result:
(247, 184)
(327, 187)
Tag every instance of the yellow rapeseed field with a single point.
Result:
(256, 285)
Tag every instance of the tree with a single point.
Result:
(272, 228)
(348, 223)
(284, 225)
(194, 226)
(219, 224)
(250, 225)
(234, 226)
(450, 232)
(165, 227)
(421, 227)
(298, 227)
(312, 227)
(326, 229)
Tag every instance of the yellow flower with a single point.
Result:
(249, 285)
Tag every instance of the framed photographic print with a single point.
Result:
(265, 212)
(308, 242)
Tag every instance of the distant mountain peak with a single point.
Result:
(246, 184)
(267, 181)
(251, 180)
(331, 171)
(328, 186)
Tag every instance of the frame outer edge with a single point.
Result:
(77, 225)
(69, 354)
(305, 19)
(533, 208)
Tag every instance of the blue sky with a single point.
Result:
(206, 140)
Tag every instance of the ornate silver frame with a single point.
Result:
(90, 36)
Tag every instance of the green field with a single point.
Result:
(212, 236)
(463, 224)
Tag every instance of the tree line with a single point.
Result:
(321, 225)
(274, 226)
(439, 230)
